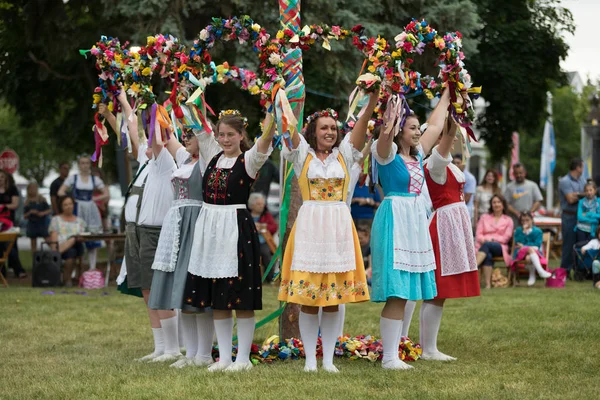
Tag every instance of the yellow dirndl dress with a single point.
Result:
(322, 264)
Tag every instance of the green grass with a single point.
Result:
(510, 343)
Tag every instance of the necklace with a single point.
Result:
(318, 151)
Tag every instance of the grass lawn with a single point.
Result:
(510, 343)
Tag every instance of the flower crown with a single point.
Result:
(328, 112)
(234, 113)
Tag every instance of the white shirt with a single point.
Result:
(130, 206)
(436, 165)
(156, 201)
(209, 148)
(328, 168)
(593, 244)
(184, 171)
(81, 185)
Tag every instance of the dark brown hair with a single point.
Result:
(528, 215)
(238, 124)
(61, 200)
(310, 133)
(495, 188)
(413, 149)
(503, 200)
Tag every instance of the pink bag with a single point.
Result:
(558, 278)
(93, 279)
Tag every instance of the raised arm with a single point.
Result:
(173, 145)
(435, 123)
(447, 141)
(108, 116)
(264, 142)
(132, 123)
(384, 143)
(359, 132)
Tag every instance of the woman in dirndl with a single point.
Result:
(83, 186)
(172, 256)
(456, 273)
(322, 265)
(224, 267)
(402, 253)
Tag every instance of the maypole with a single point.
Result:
(289, 17)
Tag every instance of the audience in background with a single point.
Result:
(488, 188)
(522, 194)
(63, 229)
(470, 183)
(264, 222)
(36, 213)
(570, 190)
(9, 202)
(528, 247)
(588, 213)
(492, 238)
(63, 173)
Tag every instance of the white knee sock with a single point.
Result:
(430, 319)
(92, 255)
(206, 333)
(245, 333)
(342, 317)
(159, 345)
(409, 310)
(180, 329)
(159, 341)
(224, 330)
(535, 260)
(309, 333)
(329, 334)
(390, 336)
(190, 334)
(531, 269)
(170, 331)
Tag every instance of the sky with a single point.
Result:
(584, 52)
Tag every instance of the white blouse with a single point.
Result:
(436, 165)
(209, 148)
(184, 171)
(328, 168)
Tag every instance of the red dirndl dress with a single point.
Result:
(456, 272)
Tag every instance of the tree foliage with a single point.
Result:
(519, 53)
(512, 47)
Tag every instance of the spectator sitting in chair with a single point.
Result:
(494, 231)
(528, 246)
(588, 213)
(63, 228)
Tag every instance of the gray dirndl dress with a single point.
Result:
(175, 242)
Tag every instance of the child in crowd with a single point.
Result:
(588, 213)
(528, 245)
(36, 213)
(364, 238)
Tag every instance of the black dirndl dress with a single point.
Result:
(227, 187)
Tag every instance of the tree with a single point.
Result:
(519, 53)
(49, 85)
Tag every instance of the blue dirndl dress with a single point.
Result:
(402, 254)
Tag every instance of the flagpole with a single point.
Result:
(550, 170)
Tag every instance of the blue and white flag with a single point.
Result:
(548, 154)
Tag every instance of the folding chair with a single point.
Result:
(583, 263)
(9, 238)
